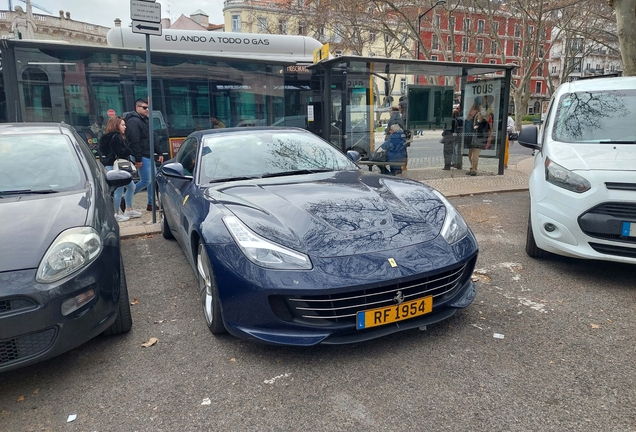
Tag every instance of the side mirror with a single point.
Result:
(174, 169)
(117, 178)
(354, 156)
(528, 137)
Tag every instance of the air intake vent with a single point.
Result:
(621, 186)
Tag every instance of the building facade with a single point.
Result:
(21, 24)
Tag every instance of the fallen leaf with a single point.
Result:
(36, 391)
(134, 302)
(609, 320)
(20, 399)
(232, 359)
(595, 326)
(150, 342)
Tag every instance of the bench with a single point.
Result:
(370, 164)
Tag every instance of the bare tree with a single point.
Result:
(626, 24)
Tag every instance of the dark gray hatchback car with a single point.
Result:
(62, 279)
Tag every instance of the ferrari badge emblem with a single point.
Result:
(392, 262)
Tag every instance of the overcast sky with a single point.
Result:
(104, 12)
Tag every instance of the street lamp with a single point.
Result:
(419, 25)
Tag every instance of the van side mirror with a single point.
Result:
(528, 137)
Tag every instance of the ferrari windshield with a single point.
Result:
(267, 153)
(596, 117)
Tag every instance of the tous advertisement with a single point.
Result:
(482, 116)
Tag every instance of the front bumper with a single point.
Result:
(255, 301)
(579, 232)
(32, 327)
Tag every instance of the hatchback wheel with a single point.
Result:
(123, 322)
(209, 292)
(531, 247)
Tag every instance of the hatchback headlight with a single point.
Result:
(72, 250)
(566, 179)
(454, 228)
(263, 252)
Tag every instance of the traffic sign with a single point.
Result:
(145, 27)
(145, 11)
(111, 113)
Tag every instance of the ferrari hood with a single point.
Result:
(339, 213)
(29, 224)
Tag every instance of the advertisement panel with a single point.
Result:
(482, 116)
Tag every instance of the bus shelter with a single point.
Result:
(356, 92)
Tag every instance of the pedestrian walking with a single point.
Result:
(113, 146)
(137, 134)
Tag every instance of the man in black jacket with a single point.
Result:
(137, 135)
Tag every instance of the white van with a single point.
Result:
(583, 185)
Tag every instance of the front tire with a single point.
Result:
(163, 221)
(123, 322)
(209, 292)
(531, 246)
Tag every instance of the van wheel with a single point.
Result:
(531, 247)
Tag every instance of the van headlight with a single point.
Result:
(72, 250)
(263, 252)
(454, 228)
(563, 178)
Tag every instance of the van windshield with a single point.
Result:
(596, 117)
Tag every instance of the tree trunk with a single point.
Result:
(626, 25)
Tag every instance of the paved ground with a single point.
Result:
(451, 183)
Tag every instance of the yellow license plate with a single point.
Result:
(391, 314)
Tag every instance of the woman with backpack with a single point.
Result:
(113, 146)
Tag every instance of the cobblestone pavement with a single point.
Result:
(427, 170)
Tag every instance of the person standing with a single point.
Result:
(137, 134)
(510, 128)
(477, 128)
(112, 146)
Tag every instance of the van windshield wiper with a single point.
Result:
(290, 173)
(617, 142)
(27, 192)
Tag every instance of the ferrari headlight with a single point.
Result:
(454, 228)
(263, 252)
(566, 179)
(72, 250)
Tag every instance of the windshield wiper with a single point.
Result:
(617, 142)
(290, 173)
(228, 179)
(28, 192)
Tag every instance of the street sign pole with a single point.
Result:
(151, 133)
(146, 19)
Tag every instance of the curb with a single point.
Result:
(129, 232)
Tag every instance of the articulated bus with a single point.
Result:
(240, 79)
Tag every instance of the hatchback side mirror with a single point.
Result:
(117, 178)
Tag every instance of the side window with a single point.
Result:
(547, 124)
(187, 155)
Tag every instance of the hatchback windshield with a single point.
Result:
(255, 154)
(596, 116)
(38, 163)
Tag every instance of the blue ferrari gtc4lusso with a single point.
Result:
(294, 244)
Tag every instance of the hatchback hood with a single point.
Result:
(339, 213)
(613, 157)
(30, 223)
